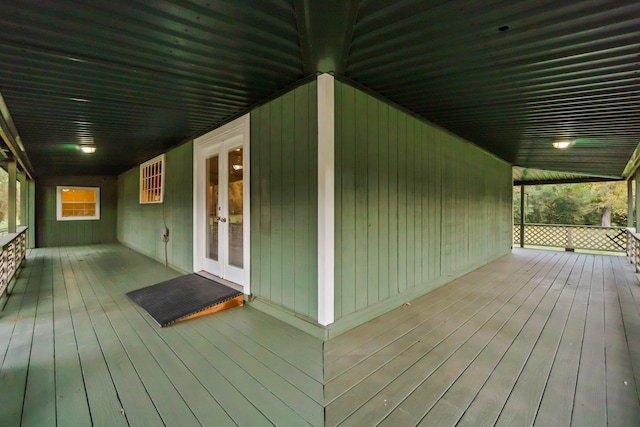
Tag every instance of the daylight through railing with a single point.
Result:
(13, 250)
(571, 237)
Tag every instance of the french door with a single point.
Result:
(221, 193)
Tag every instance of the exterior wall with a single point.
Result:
(415, 205)
(140, 226)
(51, 232)
(284, 201)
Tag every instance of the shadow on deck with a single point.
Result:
(535, 338)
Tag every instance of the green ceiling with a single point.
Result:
(137, 77)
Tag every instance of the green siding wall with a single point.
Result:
(415, 205)
(51, 232)
(140, 226)
(284, 206)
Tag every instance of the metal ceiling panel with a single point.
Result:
(136, 77)
(512, 77)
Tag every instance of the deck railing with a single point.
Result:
(570, 237)
(633, 247)
(13, 248)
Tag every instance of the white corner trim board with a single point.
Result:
(326, 199)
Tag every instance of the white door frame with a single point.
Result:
(206, 143)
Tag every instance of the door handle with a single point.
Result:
(221, 219)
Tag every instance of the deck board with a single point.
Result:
(113, 366)
(194, 394)
(384, 350)
(522, 404)
(341, 346)
(494, 319)
(132, 365)
(622, 402)
(371, 336)
(71, 402)
(441, 342)
(15, 365)
(39, 398)
(421, 400)
(535, 338)
(513, 356)
(589, 406)
(626, 280)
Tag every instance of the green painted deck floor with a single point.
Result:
(535, 338)
(75, 351)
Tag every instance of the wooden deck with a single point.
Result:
(535, 338)
(75, 351)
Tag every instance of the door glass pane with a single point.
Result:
(212, 208)
(235, 208)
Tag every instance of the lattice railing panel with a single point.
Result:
(12, 254)
(611, 239)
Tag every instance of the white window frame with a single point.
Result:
(59, 216)
(143, 167)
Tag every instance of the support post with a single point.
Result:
(24, 191)
(326, 199)
(30, 215)
(522, 215)
(11, 220)
(637, 200)
(630, 202)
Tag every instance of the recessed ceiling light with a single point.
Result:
(562, 143)
(88, 148)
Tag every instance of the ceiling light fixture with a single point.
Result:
(88, 149)
(562, 143)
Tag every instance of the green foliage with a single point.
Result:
(4, 200)
(574, 204)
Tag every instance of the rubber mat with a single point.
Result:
(180, 298)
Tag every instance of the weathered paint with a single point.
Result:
(50, 232)
(284, 205)
(415, 205)
(140, 227)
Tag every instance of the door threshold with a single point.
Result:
(225, 282)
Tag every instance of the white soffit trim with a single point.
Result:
(326, 199)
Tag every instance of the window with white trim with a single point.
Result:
(77, 203)
(152, 180)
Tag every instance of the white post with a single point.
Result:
(326, 200)
(13, 175)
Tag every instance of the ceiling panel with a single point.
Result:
(136, 77)
(512, 76)
(139, 76)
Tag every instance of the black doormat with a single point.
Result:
(182, 297)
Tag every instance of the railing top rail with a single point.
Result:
(8, 238)
(633, 233)
(573, 226)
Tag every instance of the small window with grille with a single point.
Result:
(77, 203)
(152, 180)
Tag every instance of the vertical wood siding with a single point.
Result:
(284, 201)
(51, 232)
(140, 226)
(414, 204)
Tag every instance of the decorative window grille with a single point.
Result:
(77, 203)
(152, 180)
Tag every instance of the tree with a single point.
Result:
(611, 198)
(577, 204)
